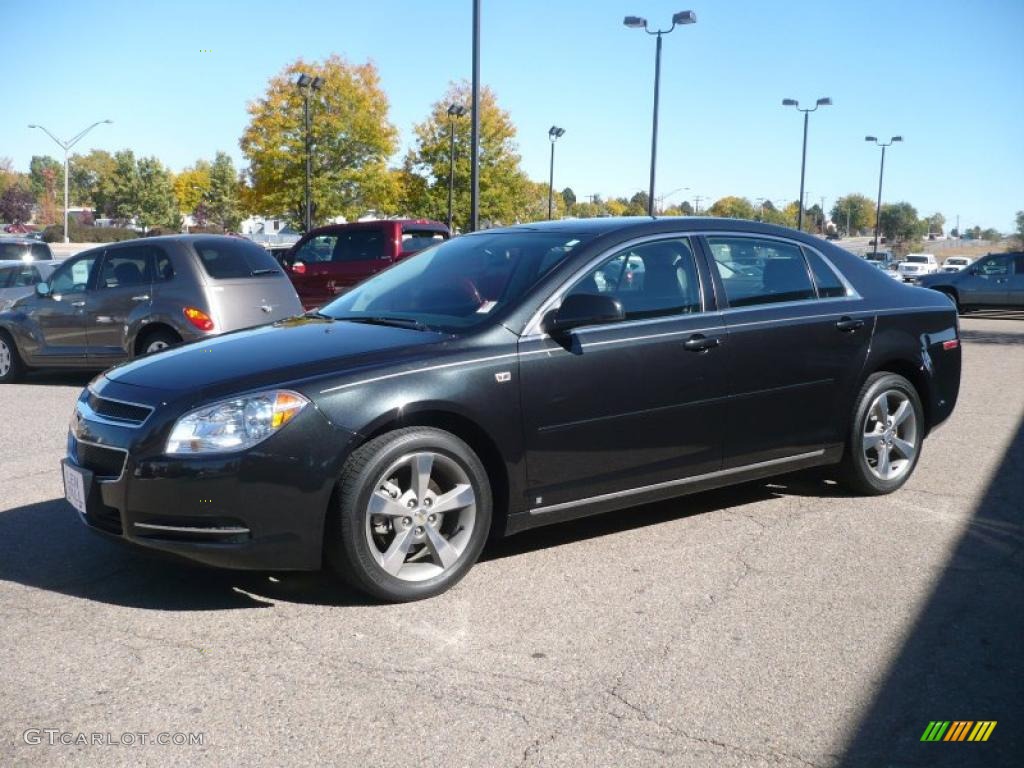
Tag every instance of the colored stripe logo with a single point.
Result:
(958, 730)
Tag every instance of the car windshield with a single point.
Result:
(458, 284)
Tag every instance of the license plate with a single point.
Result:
(74, 488)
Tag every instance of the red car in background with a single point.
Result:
(329, 260)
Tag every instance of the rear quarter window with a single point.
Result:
(231, 258)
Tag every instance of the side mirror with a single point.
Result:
(583, 309)
(42, 289)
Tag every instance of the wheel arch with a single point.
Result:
(914, 373)
(144, 331)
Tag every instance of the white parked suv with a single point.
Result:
(917, 264)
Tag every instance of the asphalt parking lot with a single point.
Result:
(781, 623)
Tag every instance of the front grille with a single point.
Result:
(102, 462)
(118, 411)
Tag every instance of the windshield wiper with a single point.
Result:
(397, 322)
(257, 272)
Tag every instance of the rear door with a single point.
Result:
(798, 337)
(245, 286)
(123, 288)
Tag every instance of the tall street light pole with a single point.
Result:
(881, 171)
(822, 102)
(554, 134)
(636, 22)
(474, 140)
(454, 111)
(66, 146)
(307, 84)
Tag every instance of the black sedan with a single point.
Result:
(510, 379)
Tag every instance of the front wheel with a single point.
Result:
(11, 366)
(886, 434)
(412, 514)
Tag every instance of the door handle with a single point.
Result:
(700, 343)
(848, 324)
(141, 297)
(77, 303)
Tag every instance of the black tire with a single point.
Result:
(855, 469)
(346, 546)
(11, 366)
(955, 298)
(155, 341)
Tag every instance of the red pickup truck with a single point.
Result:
(329, 260)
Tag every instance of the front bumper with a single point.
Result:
(259, 509)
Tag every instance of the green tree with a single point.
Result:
(1020, 228)
(568, 199)
(156, 205)
(732, 208)
(86, 174)
(119, 191)
(898, 221)
(936, 224)
(853, 213)
(504, 188)
(991, 235)
(43, 171)
(351, 141)
(222, 203)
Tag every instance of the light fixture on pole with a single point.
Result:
(554, 134)
(637, 22)
(454, 111)
(66, 146)
(825, 101)
(306, 84)
(881, 171)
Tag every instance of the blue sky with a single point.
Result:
(947, 76)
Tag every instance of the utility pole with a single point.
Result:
(696, 204)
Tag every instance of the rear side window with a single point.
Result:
(127, 267)
(227, 258)
(417, 239)
(828, 282)
(164, 268)
(761, 271)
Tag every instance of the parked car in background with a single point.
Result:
(956, 263)
(916, 265)
(137, 297)
(24, 249)
(885, 258)
(330, 260)
(19, 278)
(993, 281)
(890, 270)
(491, 384)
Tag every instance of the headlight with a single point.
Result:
(235, 424)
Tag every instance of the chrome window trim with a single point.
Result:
(105, 481)
(672, 483)
(532, 330)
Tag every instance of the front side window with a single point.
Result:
(997, 266)
(761, 271)
(320, 248)
(23, 277)
(73, 275)
(649, 280)
(458, 284)
(126, 267)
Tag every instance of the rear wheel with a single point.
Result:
(886, 435)
(412, 515)
(11, 367)
(955, 298)
(157, 340)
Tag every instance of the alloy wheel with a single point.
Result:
(890, 441)
(5, 358)
(156, 346)
(420, 516)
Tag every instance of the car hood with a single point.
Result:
(271, 355)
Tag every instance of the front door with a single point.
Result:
(333, 263)
(620, 406)
(797, 341)
(124, 285)
(60, 316)
(987, 283)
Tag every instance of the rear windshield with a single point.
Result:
(226, 258)
(13, 251)
(917, 259)
(417, 239)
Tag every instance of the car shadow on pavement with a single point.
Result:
(45, 546)
(54, 378)
(991, 337)
(962, 657)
